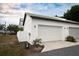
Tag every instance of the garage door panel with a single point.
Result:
(74, 32)
(50, 33)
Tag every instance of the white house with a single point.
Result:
(47, 28)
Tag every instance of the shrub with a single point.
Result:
(14, 28)
(70, 39)
(36, 41)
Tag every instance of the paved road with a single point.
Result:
(68, 51)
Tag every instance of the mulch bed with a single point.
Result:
(38, 48)
(33, 49)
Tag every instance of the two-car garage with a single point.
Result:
(53, 33)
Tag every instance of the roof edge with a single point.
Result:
(50, 17)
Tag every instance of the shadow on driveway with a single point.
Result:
(68, 51)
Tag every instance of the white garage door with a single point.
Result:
(49, 33)
(74, 32)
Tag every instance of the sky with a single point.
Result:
(12, 12)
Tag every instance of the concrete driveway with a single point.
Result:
(67, 51)
(57, 45)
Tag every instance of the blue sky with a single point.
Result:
(18, 9)
(49, 9)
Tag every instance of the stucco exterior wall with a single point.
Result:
(28, 24)
(25, 35)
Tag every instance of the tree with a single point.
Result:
(2, 26)
(73, 13)
(14, 28)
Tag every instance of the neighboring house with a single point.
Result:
(47, 28)
(21, 22)
(2, 31)
(6, 32)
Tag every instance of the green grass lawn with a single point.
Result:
(8, 38)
